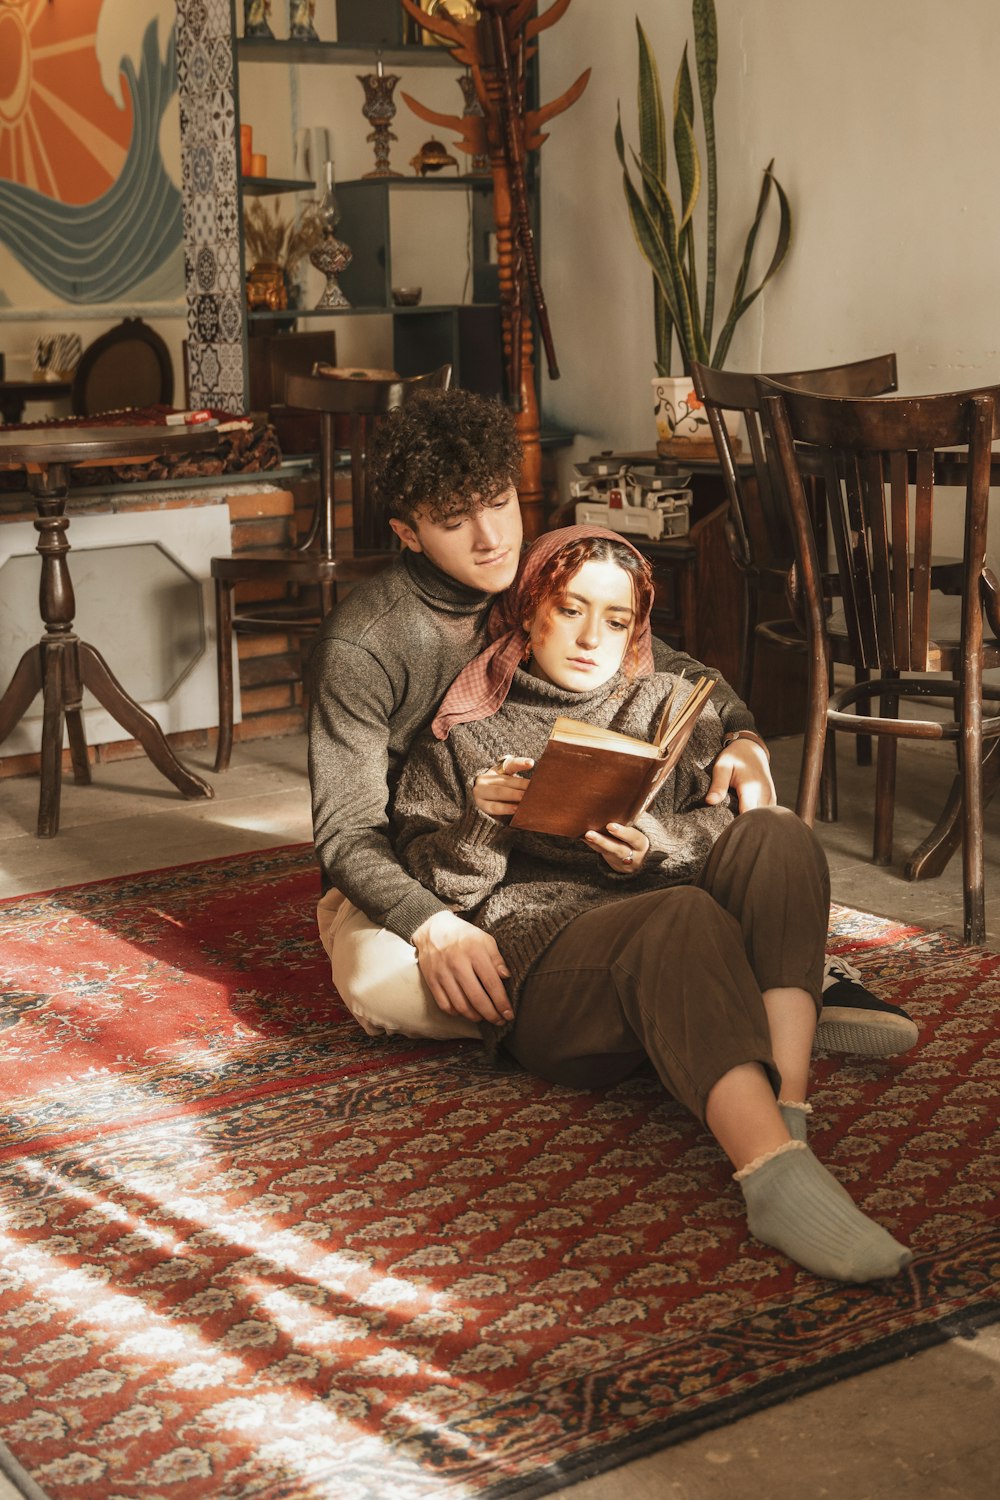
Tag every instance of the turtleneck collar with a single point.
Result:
(440, 590)
(527, 689)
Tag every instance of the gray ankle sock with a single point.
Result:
(796, 1118)
(796, 1206)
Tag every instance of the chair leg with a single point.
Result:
(224, 657)
(864, 741)
(816, 735)
(828, 774)
(885, 782)
(885, 800)
(932, 856)
(828, 782)
(744, 683)
(973, 878)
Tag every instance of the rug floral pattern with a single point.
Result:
(248, 1251)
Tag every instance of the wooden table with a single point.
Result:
(15, 394)
(62, 665)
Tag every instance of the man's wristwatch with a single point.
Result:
(744, 734)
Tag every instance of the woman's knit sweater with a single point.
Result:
(524, 887)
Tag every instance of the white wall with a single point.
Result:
(883, 122)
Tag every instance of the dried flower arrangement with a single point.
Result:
(271, 237)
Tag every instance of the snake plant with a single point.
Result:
(665, 231)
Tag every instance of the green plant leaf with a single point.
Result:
(663, 326)
(741, 299)
(685, 146)
(667, 238)
(652, 119)
(660, 245)
(652, 147)
(706, 52)
(653, 150)
(676, 240)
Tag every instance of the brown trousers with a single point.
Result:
(675, 976)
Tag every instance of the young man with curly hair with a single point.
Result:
(446, 468)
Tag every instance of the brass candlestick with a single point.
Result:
(331, 256)
(378, 110)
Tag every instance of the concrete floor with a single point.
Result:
(924, 1428)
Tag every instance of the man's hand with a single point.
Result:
(743, 768)
(463, 968)
(499, 790)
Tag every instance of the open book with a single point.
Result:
(588, 777)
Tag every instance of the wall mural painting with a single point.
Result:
(88, 133)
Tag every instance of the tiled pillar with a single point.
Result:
(213, 244)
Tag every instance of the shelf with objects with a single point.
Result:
(498, 42)
(422, 268)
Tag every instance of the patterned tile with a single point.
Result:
(211, 204)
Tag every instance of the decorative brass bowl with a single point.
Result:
(407, 296)
(431, 157)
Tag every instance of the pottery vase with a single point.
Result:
(682, 427)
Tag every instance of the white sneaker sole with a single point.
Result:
(869, 1033)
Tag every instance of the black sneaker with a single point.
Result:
(855, 1020)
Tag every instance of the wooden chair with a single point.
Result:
(877, 459)
(328, 556)
(758, 531)
(130, 365)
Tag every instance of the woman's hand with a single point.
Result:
(625, 850)
(498, 790)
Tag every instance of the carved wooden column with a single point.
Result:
(516, 325)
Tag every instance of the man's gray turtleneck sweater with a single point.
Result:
(380, 667)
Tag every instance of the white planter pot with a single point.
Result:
(681, 420)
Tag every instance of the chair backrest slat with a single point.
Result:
(848, 512)
(900, 588)
(843, 551)
(876, 554)
(923, 530)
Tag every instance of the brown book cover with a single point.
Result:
(587, 777)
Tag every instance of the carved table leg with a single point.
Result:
(57, 605)
(98, 677)
(21, 691)
(61, 666)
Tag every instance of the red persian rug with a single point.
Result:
(249, 1251)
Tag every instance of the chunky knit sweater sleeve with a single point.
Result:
(351, 704)
(443, 839)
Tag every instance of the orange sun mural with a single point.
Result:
(60, 132)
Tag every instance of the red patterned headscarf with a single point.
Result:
(482, 687)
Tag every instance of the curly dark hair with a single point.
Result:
(554, 579)
(443, 454)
